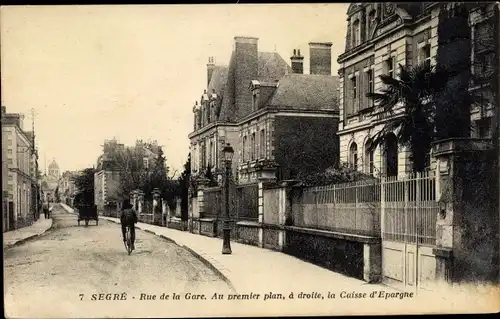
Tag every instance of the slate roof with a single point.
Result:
(271, 67)
(306, 91)
(218, 79)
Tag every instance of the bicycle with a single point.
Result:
(128, 240)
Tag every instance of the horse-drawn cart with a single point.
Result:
(87, 213)
(86, 210)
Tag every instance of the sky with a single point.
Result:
(93, 73)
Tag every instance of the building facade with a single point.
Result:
(66, 187)
(50, 181)
(227, 100)
(266, 110)
(287, 120)
(381, 36)
(18, 152)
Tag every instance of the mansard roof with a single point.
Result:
(271, 67)
(306, 92)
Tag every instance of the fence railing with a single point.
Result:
(410, 208)
(350, 207)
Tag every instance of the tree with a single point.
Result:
(56, 194)
(134, 174)
(84, 182)
(344, 173)
(453, 58)
(184, 184)
(413, 122)
(435, 101)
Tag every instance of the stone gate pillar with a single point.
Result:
(467, 224)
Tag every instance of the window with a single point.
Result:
(355, 33)
(389, 66)
(369, 77)
(369, 163)
(391, 155)
(252, 147)
(244, 149)
(484, 127)
(354, 86)
(353, 156)
(370, 86)
(145, 163)
(212, 157)
(424, 55)
(262, 141)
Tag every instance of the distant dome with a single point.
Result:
(53, 165)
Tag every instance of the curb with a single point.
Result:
(167, 239)
(211, 266)
(24, 240)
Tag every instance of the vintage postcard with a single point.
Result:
(250, 160)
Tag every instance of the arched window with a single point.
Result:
(391, 155)
(368, 160)
(353, 155)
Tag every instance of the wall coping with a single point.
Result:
(458, 145)
(332, 234)
(248, 223)
(206, 219)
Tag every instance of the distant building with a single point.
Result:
(67, 189)
(107, 178)
(50, 181)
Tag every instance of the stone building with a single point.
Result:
(258, 104)
(18, 152)
(107, 176)
(67, 188)
(228, 99)
(380, 36)
(50, 181)
(292, 123)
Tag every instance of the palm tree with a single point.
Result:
(407, 104)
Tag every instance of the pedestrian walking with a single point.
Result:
(46, 210)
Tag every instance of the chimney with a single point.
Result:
(246, 59)
(297, 62)
(210, 68)
(320, 58)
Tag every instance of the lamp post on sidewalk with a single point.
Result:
(228, 152)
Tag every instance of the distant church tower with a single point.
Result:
(54, 170)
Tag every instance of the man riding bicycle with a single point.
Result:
(128, 217)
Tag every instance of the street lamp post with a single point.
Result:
(228, 158)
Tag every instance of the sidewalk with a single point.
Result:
(248, 266)
(18, 236)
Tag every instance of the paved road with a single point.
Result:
(45, 277)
